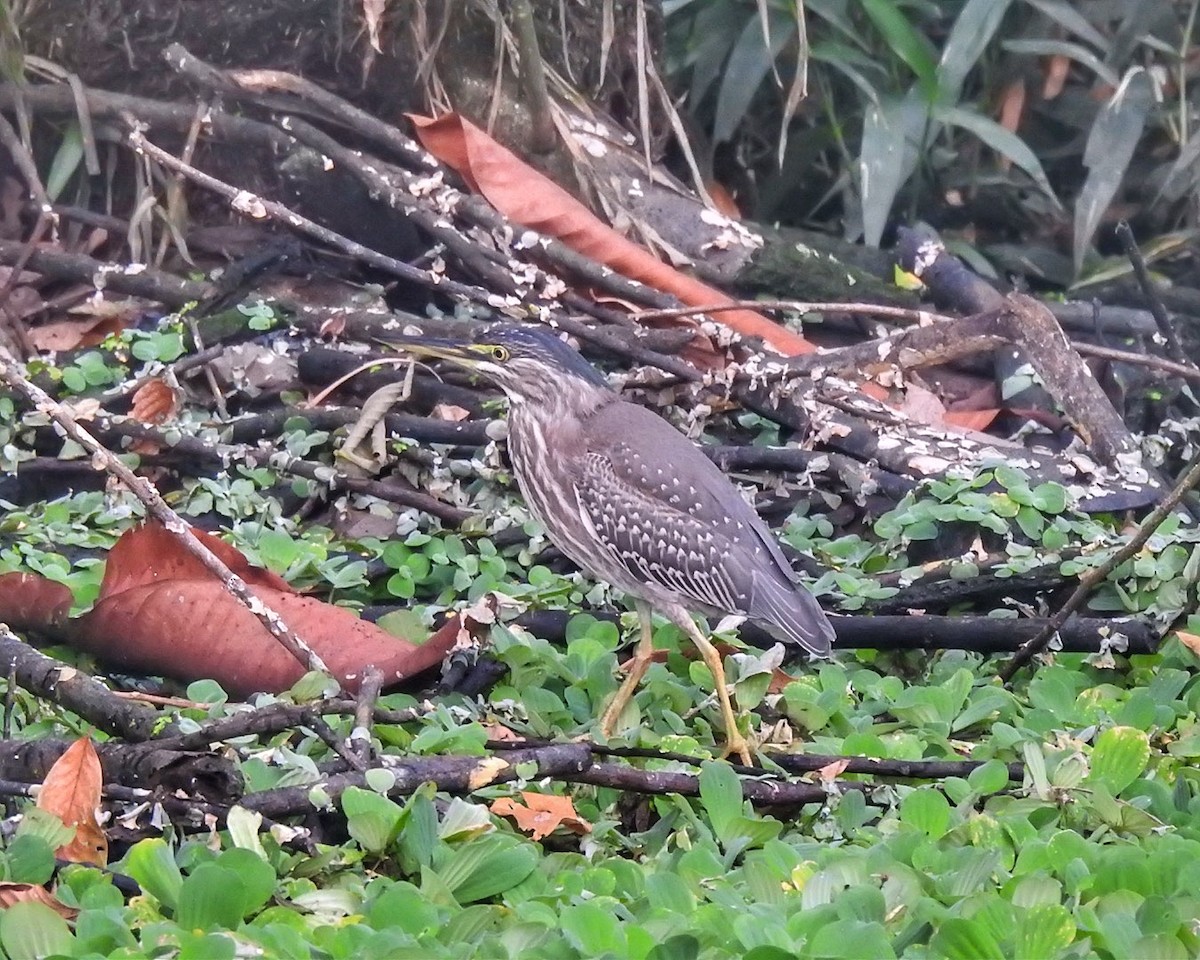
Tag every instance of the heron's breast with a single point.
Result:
(541, 464)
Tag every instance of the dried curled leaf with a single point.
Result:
(71, 791)
(542, 814)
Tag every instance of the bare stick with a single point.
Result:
(157, 508)
(800, 306)
(1090, 578)
(364, 712)
(1157, 309)
(257, 207)
(1184, 371)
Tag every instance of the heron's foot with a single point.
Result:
(739, 746)
(635, 669)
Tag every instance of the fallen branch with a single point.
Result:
(70, 687)
(132, 765)
(1022, 321)
(454, 774)
(986, 635)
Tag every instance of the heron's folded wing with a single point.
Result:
(655, 542)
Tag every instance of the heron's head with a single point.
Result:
(527, 363)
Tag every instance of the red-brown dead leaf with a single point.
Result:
(978, 420)
(541, 814)
(831, 771)
(448, 411)
(1189, 640)
(779, 680)
(75, 333)
(537, 202)
(1012, 105)
(71, 791)
(28, 601)
(11, 893)
(154, 402)
(161, 611)
(723, 200)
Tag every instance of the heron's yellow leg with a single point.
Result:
(735, 743)
(635, 669)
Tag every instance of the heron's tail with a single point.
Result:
(794, 611)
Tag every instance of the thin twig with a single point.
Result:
(1157, 309)
(257, 207)
(364, 712)
(1095, 575)
(275, 718)
(157, 508)
(338, 745)
(1185, 370)
(919, 317)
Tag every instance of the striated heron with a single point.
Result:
(632, 501)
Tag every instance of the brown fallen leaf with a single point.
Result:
(978, 420)
(75, 333)
(448, 411)
(11, 893)
(779, 680)
(1189, 640)
(71, 791)
(831, 771)
(541, 814)
(28, 601)
(154, 402)
(161, 611)
(535, 201)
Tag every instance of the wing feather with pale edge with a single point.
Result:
(669, 517)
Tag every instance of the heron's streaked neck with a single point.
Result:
(557, 400)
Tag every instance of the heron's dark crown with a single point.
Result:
(530, 363)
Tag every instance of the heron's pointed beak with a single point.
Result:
(457, 351)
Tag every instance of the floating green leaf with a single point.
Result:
(371, 818)
(152, 865)
(34, 930)
(211, 897)
(1044, 931)
(927, 810)
(1119, 757)
(721, 794)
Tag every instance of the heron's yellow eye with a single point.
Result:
(500, 353)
